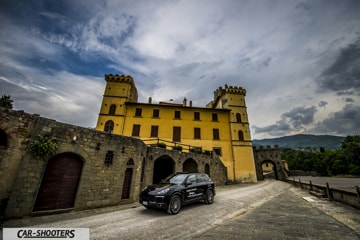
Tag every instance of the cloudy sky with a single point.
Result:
(298, 60)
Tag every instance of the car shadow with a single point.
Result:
(161, 212)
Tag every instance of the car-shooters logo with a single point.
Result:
(46, 233)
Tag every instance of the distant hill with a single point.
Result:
(303, 141)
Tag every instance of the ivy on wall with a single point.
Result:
(44, 146)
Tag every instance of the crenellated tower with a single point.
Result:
(119, 89)
(233, 98)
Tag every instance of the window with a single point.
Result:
(130, 162)
(176, 134)
(154, 131)
(191, 179)
(216, 134)
(142, 170)
(138, 112)
(109, 158)
(196, 116)
(156, 113)
(112, 109)
(207, 169)
(214, 117)
(197, 133)
(136, 130)
(217, 151)
(109, 126)
(177, 115)
(238, 117)
(241, 135)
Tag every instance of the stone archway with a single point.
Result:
(269, 170)
(272, 156)
(60, 183)
(190, 165)
(163, 167)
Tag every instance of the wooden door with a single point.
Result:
(60, 182)
(127, 184)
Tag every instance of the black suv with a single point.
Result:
(177, 190)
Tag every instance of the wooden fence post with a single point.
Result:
(328, 192)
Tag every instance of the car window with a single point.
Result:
(191, 179)
(178, 179)
(201, 178)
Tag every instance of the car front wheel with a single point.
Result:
(174, 205)
(209, 196)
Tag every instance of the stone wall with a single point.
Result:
(100, 184)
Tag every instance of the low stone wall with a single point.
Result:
(333, 194)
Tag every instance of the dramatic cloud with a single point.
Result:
(344, 74)
(291, 122)
(54, 55)
(343, 122)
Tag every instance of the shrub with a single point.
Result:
(44, 146)
(161, 145)
(179, 148)
(196, 150)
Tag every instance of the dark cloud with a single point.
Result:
(322, 104)
(349, 100)
(343, 76)
(296, 119)
(343, 122)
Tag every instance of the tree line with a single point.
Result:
(343, 161)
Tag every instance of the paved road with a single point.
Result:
(269, 209)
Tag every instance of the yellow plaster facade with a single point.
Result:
(221, 127)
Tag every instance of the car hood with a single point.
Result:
(158, 187)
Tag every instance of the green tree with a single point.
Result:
(6, 102)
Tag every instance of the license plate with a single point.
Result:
(145, 203)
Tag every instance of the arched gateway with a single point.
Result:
(271, 156)
(60, 182)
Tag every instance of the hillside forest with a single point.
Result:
(340, 162)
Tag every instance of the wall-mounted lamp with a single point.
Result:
(74, 139)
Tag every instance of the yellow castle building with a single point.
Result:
(222, 127)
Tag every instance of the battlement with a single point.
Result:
(229, 90)
(119, 78)
(268, 147)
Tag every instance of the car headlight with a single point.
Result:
(164, 191)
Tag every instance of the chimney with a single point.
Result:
(150, 100)
(184, 102)
(190, 103)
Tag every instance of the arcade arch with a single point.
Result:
(190, 165)
(163, 167)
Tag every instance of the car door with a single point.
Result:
(191, 188)
(202, 184)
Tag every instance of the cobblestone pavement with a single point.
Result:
(294, 214)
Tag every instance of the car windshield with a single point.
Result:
(177, 179)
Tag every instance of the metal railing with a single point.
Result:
(171, 145)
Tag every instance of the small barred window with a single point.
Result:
(109, 158)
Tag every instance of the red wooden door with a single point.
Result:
(60, 183)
